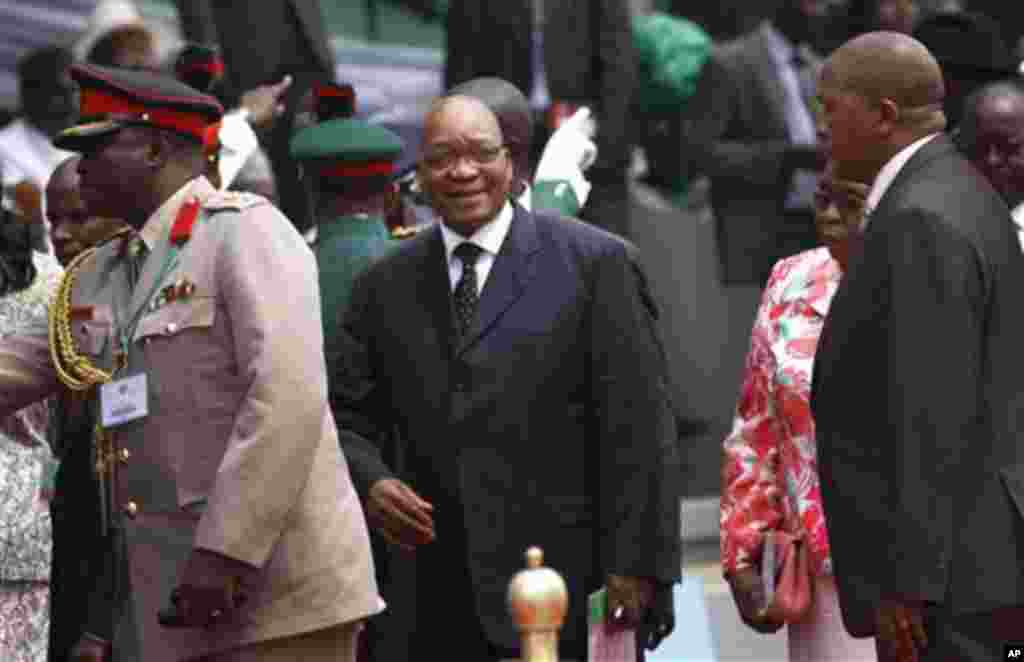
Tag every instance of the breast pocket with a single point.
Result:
(177, 318)
(176, 341)
(90, 336)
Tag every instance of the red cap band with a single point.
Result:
(364, 169)
(95, 102)
(334, 91)
(213, 67)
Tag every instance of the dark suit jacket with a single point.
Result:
(550, 423)
(734, 129)
(261, 41)
(918, 397)
(588, 58)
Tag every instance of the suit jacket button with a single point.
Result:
(131, 509)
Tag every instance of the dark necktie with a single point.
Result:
(466, 297)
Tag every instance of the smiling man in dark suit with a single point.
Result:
(558, 52)
(525, 378)
(918, 393)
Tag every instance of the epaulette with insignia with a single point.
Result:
(406, 231)
(235, 200)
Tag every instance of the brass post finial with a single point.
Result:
(538, 600)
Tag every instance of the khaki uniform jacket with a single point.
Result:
(239, 453)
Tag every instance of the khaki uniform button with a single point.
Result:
(171, 327)
(131, 509)
(124, 455)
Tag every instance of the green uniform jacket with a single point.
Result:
(555, 195)
(344, 248)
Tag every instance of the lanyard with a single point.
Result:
(181, 232)
(126, 333)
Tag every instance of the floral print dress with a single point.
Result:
(24, 515)
(770, 471)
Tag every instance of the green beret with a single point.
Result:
(347, 147)
(671, 53)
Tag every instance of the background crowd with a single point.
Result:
(709, 104)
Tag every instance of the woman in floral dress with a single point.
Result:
(770, 475)
(26, 282)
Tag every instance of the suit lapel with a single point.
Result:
(763, 64)
(434, 287)
(512, 271)
(937, 147)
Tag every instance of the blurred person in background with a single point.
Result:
(563, 55)
(859, 16)
(236, 160)
(130, 46)
(27, 157)
(970, 49)
(262, 43)
(79, 546)
(770, 473)
(750, 129)
(27, 281)
(991, 135)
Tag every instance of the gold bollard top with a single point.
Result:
(537, 597)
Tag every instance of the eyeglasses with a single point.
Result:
(442, 160)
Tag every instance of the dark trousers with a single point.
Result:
(447, 623)
(976, 637)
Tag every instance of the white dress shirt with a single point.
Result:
(490, 237)
(27, 153)
(888, 173)
(1018, 219)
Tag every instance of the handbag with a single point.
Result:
(786, 572)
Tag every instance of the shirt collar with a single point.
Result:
(489, 237)
(158, 226)
(888, 173)
(526, 199)
(1018, 215)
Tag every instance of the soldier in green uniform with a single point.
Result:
(350, 165)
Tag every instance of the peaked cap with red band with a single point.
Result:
(334, 101)
(199, 66)
(111, 99)
(347, 148)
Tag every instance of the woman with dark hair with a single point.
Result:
(27, 279)
(770, 472)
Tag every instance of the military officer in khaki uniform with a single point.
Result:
(197, 338)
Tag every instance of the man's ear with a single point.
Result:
(157, 150)
(889, 116)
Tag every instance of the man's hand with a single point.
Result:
(628, 600)
(899, 628)
(748, 593)
(264, 102)
(400, 515)
(89, 649)
(209, 592)
(660, 619)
